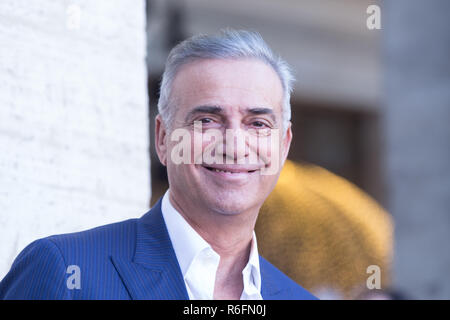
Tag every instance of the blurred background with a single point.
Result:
(368, 177)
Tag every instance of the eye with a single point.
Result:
(206, 120)
(259, 124)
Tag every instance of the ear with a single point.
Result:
(286, 143)
(160, 140)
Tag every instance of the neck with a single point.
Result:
(229, 235)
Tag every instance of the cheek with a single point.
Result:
(268, 147)
(264, 149)
(196, 147)
(200, 145)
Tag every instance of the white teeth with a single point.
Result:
(217, 170)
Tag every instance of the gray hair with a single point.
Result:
(228, 44)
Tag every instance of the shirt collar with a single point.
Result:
(251, 272)
(187, 243)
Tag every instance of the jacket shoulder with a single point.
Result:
(108, 239)
(40, 270)
(37, 273)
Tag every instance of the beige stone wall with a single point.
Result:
(73, 118)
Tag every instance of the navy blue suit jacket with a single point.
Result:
(133, 259)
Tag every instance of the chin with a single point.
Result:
(231, 205)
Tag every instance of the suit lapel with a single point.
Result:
(270, 288)
(153, 273)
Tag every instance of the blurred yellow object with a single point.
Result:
(323, 231)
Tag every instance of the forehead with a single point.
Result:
(241, 83)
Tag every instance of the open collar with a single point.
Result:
(153, 272)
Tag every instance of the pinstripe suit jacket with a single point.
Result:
(133, 259)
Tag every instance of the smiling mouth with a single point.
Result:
(230, 170)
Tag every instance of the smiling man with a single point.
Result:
(229, 95)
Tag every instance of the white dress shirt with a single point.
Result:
(199, 262)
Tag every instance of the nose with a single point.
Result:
(235, 144)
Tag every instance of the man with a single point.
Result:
(229, 95)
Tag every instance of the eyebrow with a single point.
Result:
(262, 110)
(204, 109)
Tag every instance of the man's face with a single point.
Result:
(238, 97)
